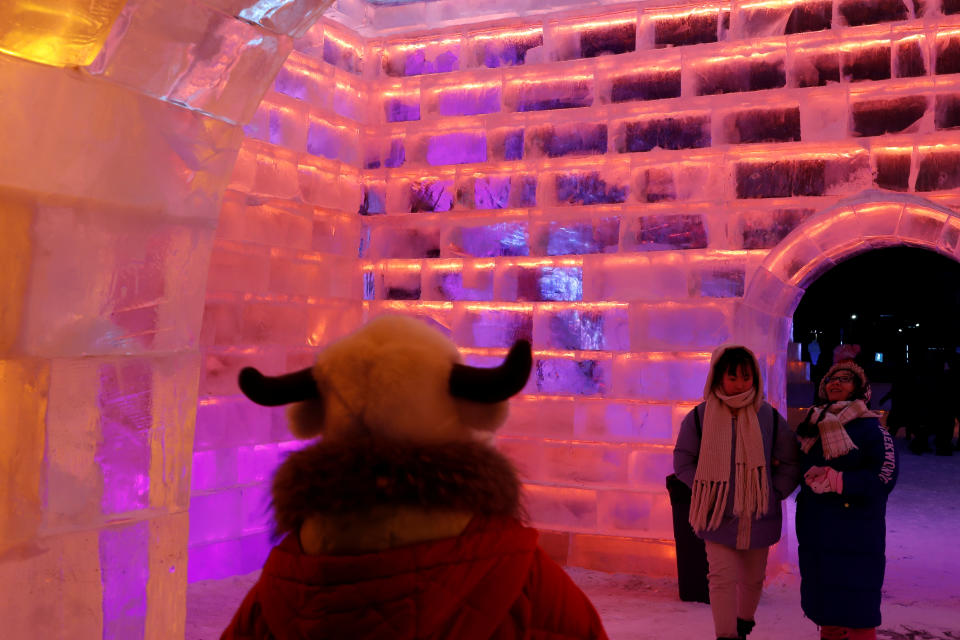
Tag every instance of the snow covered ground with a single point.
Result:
(921, 592)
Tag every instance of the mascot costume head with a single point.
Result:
(402, 423)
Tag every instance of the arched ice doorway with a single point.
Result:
(872, 219)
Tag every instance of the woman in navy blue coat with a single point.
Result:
(850, 467)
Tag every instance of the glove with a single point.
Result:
(824, 480)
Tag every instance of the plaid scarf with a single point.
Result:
(711, 483)
(830, 420)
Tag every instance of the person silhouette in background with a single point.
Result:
(739, 457)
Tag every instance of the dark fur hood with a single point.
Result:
(343, 478)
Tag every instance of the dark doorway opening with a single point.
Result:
(901, 306)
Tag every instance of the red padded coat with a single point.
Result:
(491, 581)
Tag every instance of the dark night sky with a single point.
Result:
(888, 290)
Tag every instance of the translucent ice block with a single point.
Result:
(24, 385)
(672, 326)
(662, 377)
(503, 48)
(266, 170)
(303, 78)
(616, 421)
(404, 242)
(764, 229)
(500, 239)
(58, 592)
(282, 16)
(688, 131)
(585, 464)
(465, 99)
(194, 56)
(641, 514)
(616, 554)
(603, 329)
(190, 155)
(480, 327)
(572, 377)
(555, 141)
(561, 507)
(577, 237)
(423, 57)
(671, 232)
(540, 417)
(215, 516)
(548, 94)
(867, 61)
(125, 570)
(57, 33)
(457, 148)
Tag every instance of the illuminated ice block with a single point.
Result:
(498, 239)
(304, 78)
(582, 329)
(266, 170)
(623, 554)
(278, 223)
(585, 464)
(417, 58)
(561, 507)
(282, 16)
(56, 32)
(540, 417)
(156, 51)
(640, 514)
(659, 378)
(647, 467)
(620, 421)
(671, 326)
(280, 121)
(492, 328)
(190, 155)
(572, 377)
(574, 237)
(106, 285)
(44, 604)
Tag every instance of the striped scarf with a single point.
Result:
(711, 488)
(830, 420)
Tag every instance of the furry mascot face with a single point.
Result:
(395, 378)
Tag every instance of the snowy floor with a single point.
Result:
(921, 593)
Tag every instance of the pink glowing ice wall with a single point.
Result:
(111, 178)
(616, 184)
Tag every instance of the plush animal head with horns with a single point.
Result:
(397, 378)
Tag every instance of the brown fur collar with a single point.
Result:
(341, 478)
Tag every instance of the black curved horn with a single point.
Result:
(273, 391)
(495, 384)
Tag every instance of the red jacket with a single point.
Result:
(491, 581)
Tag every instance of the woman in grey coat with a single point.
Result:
(740, 459)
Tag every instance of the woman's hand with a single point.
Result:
(824, 480)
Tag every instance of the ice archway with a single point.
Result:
(872, 219)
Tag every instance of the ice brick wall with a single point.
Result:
(110, 182)
(284, 280)
(607, 185)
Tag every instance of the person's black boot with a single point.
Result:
(744, 627)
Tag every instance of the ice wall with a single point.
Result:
(111, 175)
(608, 186)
